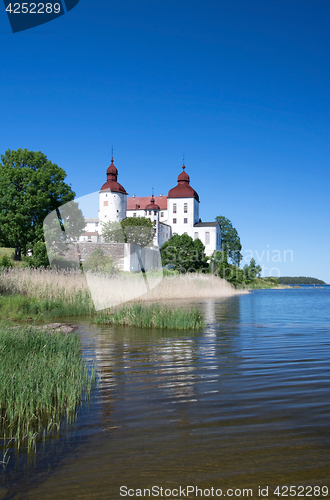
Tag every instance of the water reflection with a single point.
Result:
(242, 404)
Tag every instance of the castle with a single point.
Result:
(176, 213)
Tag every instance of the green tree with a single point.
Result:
(39, 252)
(31, 187)
(137, 230)
(5, 262)
(230, 241)
(251, 271)
(62, 228)
(184, 254)
(98, 262)
(220, 266)
(112, 232)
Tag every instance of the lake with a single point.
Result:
(241, 405)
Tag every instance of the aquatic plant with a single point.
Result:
(43, 379)
(154, 315)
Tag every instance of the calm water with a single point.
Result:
(243, 404)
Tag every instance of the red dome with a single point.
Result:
(183, 189)
(152, 205)
(184, 176)
(112, 169)
(112, 183)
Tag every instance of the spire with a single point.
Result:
(152, 205)
(112, 175)
(183, 177)
(183, 189)
(112, 172)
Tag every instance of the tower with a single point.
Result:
(183, 206)
(112, 199)
(152, 213)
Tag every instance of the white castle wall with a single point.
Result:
(180, 227)
(112, 206)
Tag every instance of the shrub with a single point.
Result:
(100, 263)
(5, 262)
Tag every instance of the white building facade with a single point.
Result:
(176, 213)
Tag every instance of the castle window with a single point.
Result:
(162, 214)
(185, 208)
(155, 222)
(155, 212)
(96, 224)
(105, 203)
(149, 212)
(196, 236)
(146, 212)
(185, 221)
(174, 221)
(134, 215)
(207, 238)
(174, 208)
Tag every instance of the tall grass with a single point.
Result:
(152, 316)
(43, 379)
(43, 283)
(22, 307)
(43, 294)
(40, 294)
(59, 284)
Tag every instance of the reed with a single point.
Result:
(22, 307)
(40, 294)
(43, 379)
(152, 316)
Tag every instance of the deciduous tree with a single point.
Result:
(31, 187)
(230, 241)
(184, 254)
(137, 230)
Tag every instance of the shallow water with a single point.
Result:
(241, 405)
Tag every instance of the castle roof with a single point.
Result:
(183, 188)
(140, 202)
(152, 205)
(206, 224)
(112, 184)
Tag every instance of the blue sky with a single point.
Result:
(240, 87)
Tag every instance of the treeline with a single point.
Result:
(182, 254)
(299, 280)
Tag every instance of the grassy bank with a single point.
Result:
(24, 308)
(263, 283)
(39, 295)
(18, 308)
(43, 379)
(153, 316)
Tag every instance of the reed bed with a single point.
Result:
(153, 316)
(192, 286)
(41, 294)
(43, 379)
(43, 283)
(59, 284)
